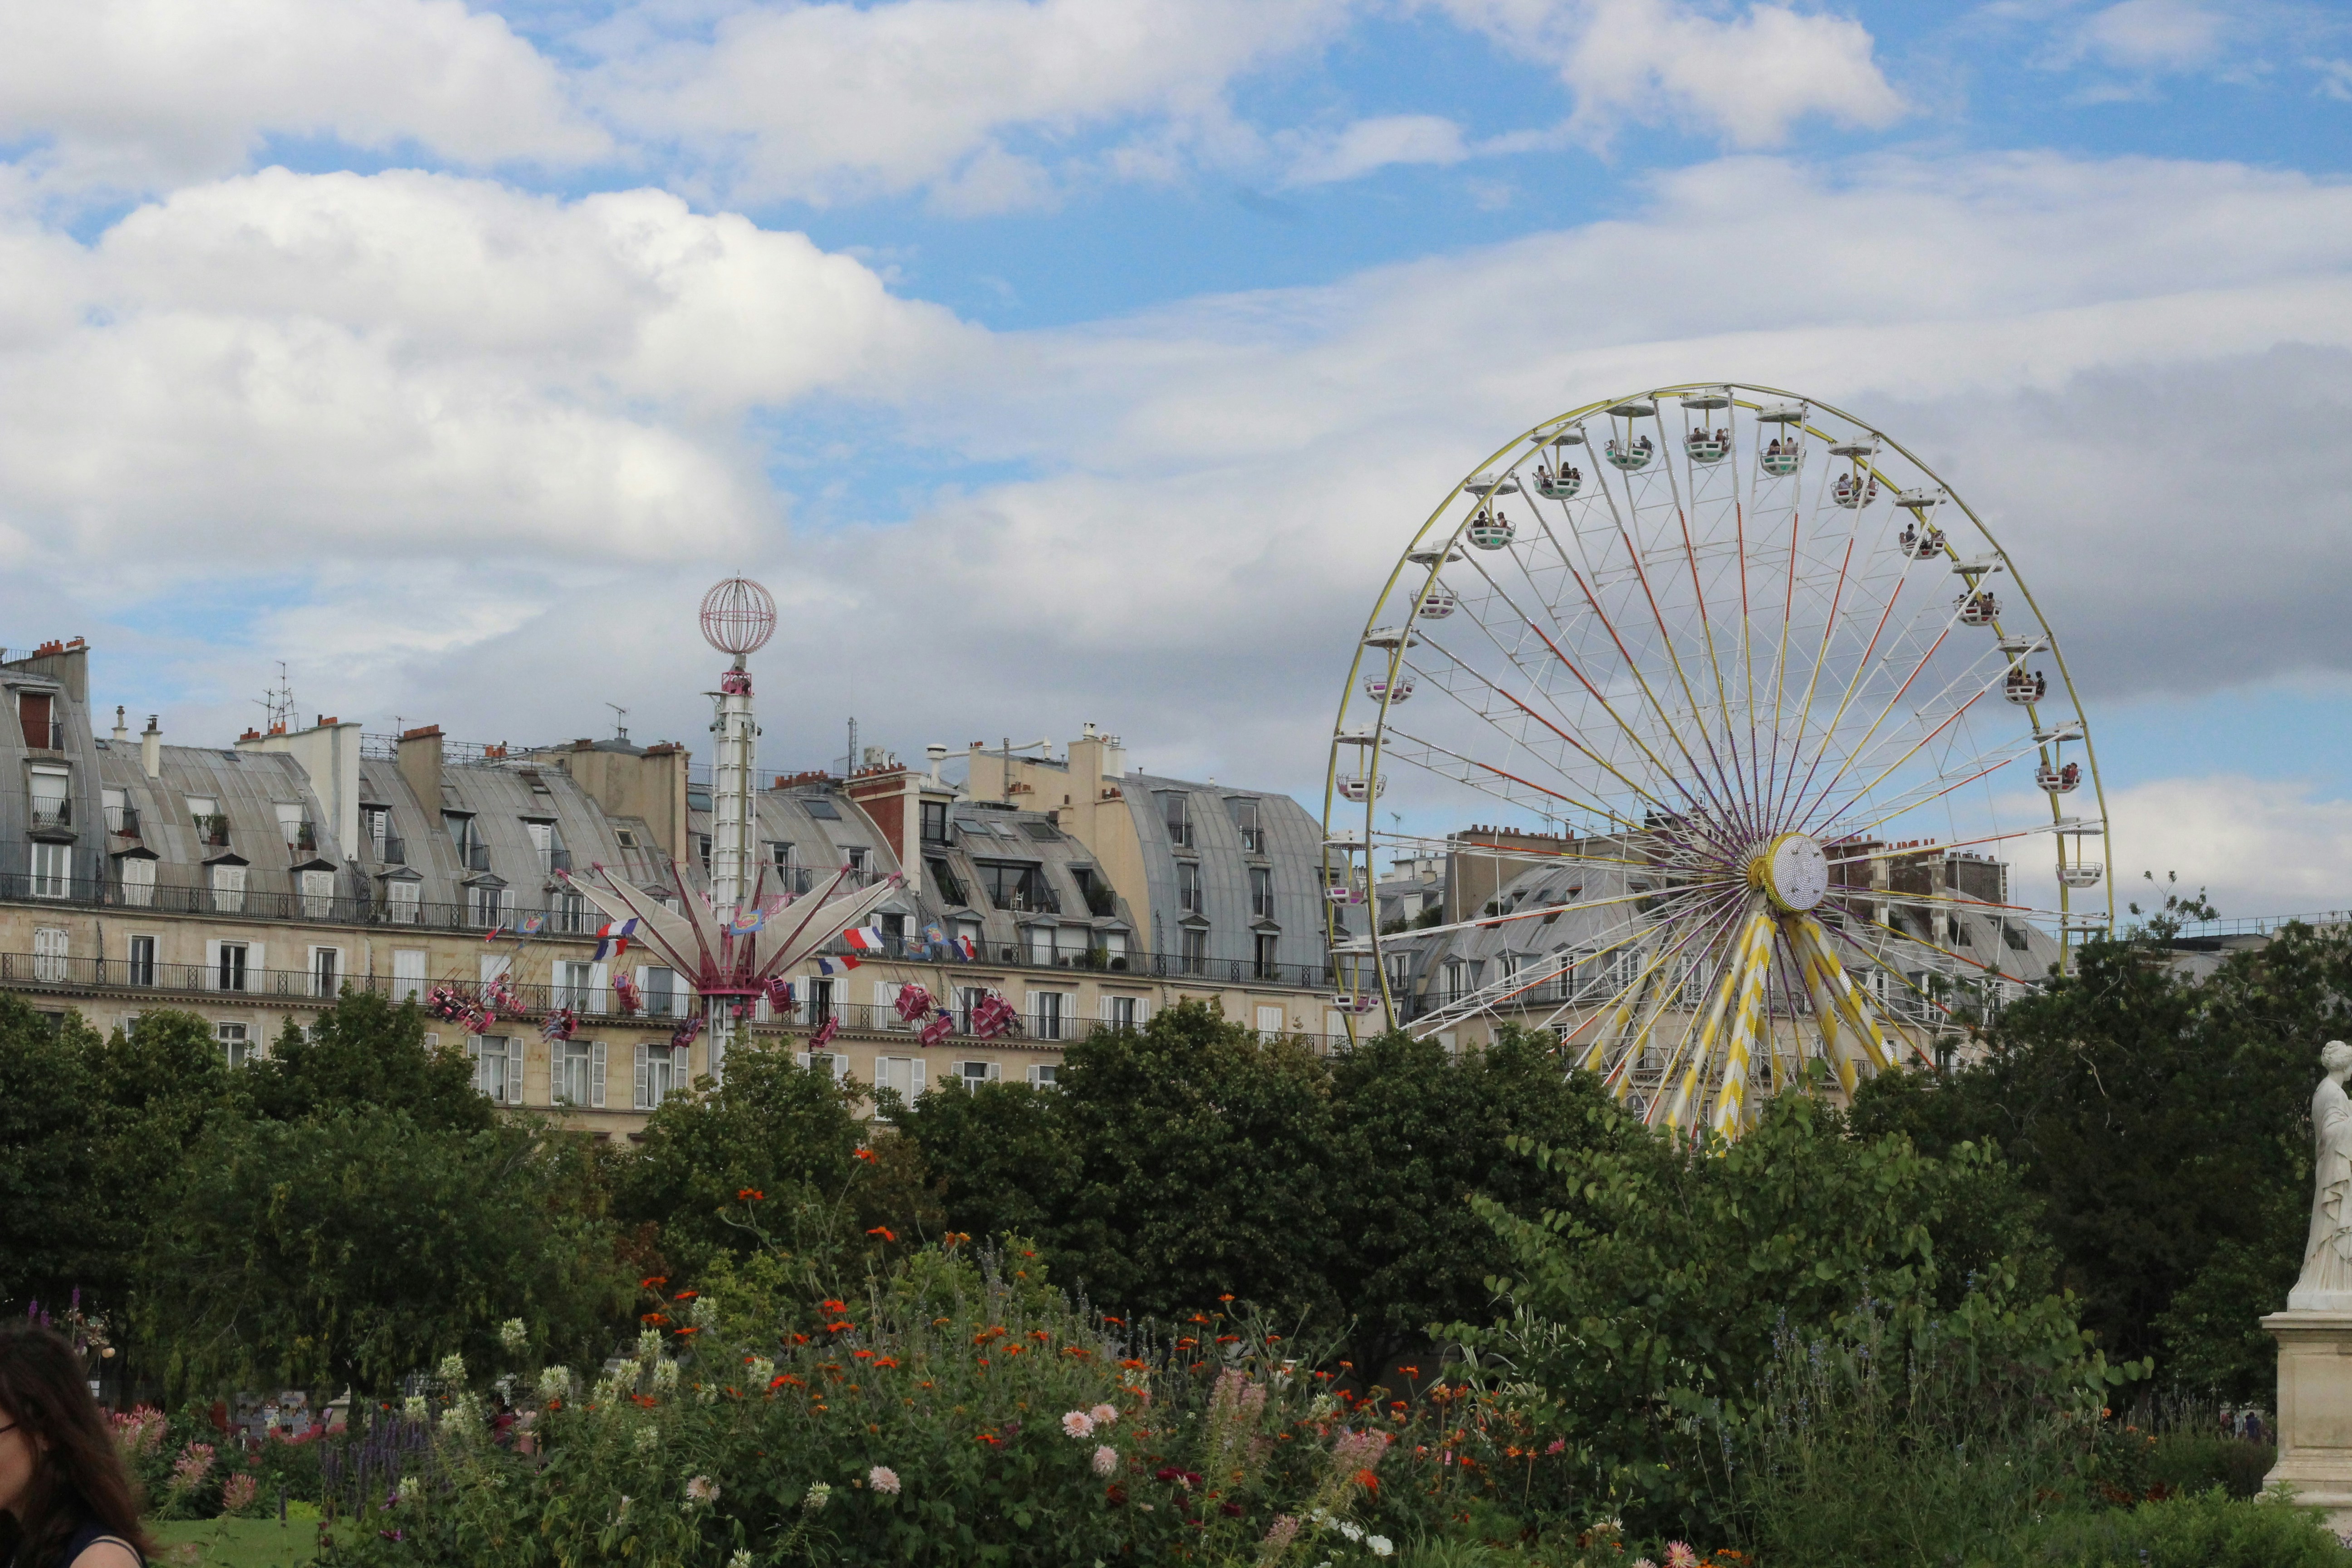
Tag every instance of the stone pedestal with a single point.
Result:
(2314, 1409)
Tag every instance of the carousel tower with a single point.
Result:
(739, 617)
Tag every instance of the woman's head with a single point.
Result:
(2336, 1056)
(59, 1463)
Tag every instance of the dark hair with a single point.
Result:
(78, 1472)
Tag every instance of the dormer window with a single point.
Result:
(36, 716)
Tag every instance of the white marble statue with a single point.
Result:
(2325, 1285)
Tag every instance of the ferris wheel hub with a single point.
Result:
(1793, 872)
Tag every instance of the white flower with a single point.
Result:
(554, 1381)
(452, 1368)
(666, 1375)
(648, 1346)
(1352, 1530)
(513, 1335)
(742, 1559)
(1078, 1424)
(703, 1489)
(883, 1479)
(1106, 1460)
(817, 1496)
(458, 1419)
(409, 1490)
(706, 1312)
(1103, 1415)
(647, 1439)
(759, 1369)
(1379, 1545)
(415, 1408)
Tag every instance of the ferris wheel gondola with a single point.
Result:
(1736, 749)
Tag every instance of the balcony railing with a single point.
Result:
(52, 815)
(122, 821)
(211, 831)
(393, 851)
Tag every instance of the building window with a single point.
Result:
(49, 954)
(326, 971)
(294, 826)
(902, 1074)
(141, 966)
(1261, 892)
(944, 885)
(856, 856)
(572, 1069)
(1245, 823)
(1188, 887)
(473, 855)
(137, 881)
(318, 895)
(661, 1072)
(572, 987)
(1041, 945)
(1196, 949)
(1175, 811)
(702, 850)
(228, 971)
(974, 1074)
(498, 1067)
(546, 843)
(52, 870)
(52, 807)
(571, 912)
(1123, 1012)
(967, 1000)
(935, 822)
(662, 998)
(485, 906)
(229, 889)
(1262, 956)
(36, 717)
(1047, 1010)
(1045, 1074)
(407, 973)
(234, 1043)
(894, 931)
(401, 901)
(375, 825)
(1020, 888)
(967, 936)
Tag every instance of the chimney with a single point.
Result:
(121, 731)
(420, 763)
(937, 754)
(151, 750)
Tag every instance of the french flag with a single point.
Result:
(866, 939)
(613, 939)
(836, 965)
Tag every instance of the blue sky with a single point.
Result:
(1070, 360)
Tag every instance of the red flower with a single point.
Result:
(991, 1438)
(749, 1194)
(1369, 1481)
(651, 1280)
(832, 1306)
(882, 1231)
(656, 1319)
(1229, 1510)
(843, 1327)
(866, 1153)
(686, 1295)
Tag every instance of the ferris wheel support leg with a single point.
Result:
(1731, 1099)
(1838, 1032)
(1732, 990)
(1861, 1015)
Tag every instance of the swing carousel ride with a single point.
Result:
(1753, 712)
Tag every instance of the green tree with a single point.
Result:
(1654, 1289)
(360, 1245)
(773, 1127)
(49, 1157)
(367, 1050)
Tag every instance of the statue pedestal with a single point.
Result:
(2314, 1409)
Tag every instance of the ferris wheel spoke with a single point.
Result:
(1741, 977)
(1940, 790)
(1854, 801)
(1456, 843)
(1715, 663)
(1490, 780)
(1705, 930)
(1804, 791)
(1880, 962)
(1849, 1033)
(1845, 699)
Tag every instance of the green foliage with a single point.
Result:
(2207, 1531)
(2164, 1125)
(1650, 1293)
(49, 1157)
(350, 1248)
(367, 1050)
(2198, 1462)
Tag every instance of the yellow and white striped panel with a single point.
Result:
(1734, 989)
(1746, 1020)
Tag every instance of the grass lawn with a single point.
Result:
(238, 1543)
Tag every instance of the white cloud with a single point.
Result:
(140, 94)
(2152, 36)
(2257, 847)
(826, 102)
(1746, 78)
(1368, 144)
(284, 372)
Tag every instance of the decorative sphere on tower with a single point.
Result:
(739, 617)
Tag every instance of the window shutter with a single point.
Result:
(914, 1080)
(211, 963)
(801, 1059)
(599, 995)
(644, 1079)
(256, 963)
(678, 1067)
(596, 1075)
(514, 1070)
(644, 997)
(495, 966)
(995, 1072)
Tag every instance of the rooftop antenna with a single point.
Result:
(850, 767)
(620, 730)
(278, 706)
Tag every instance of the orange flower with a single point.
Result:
(1369, 1481)
(882, 1231)
(863, 1356)
(866, 1153)
(1109, 1318)
(881, 1361)
(686, 1295)
(749, 1194)
(843, 1327)
(655, 1318)
(832, 1306)
(1186, 1342)
(651, 1280)
(1227, 1297)
(1409, 1371)
(1273, 1339)
(1040, 1335)
(1131, 1364)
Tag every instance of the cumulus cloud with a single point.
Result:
(142, 94)
(826, 102)
(1746, 78)
(2257, 847)
(1365, 145)
(360, 366)
(2149, 35)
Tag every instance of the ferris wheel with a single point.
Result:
(1727, 723)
